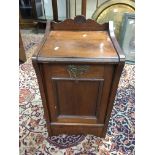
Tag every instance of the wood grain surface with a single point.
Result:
(83, 44)
(78, 66)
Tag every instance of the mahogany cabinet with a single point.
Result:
(78, 66)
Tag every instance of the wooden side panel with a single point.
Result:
(115, 80)
(108, 75)
(40, 77)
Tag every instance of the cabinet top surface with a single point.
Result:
(78, 44)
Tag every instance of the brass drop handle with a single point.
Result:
(75, 71)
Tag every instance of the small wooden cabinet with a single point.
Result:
(78, 66)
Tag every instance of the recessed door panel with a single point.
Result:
(78, 97)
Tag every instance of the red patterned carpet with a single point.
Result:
(120, 139)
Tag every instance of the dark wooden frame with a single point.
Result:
(55, 10)
(80, 23)
(83, 10)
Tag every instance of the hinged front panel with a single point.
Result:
(77, 100)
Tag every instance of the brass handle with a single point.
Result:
(76, 71)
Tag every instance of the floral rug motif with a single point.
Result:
(30, 41)
(34, 140)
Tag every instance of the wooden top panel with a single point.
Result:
(78, 44)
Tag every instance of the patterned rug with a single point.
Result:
(120, 138)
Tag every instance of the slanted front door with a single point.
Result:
(77, 104)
